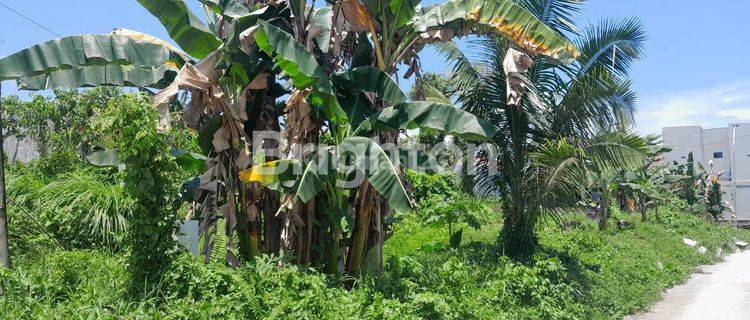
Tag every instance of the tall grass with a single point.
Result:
(85, 209)
(80, 209)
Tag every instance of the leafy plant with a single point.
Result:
(541, 105)
(323, 53)
(131, 124)
(426, 185)
(85, 210)
(454, 211)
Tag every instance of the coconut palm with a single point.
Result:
(573, 102)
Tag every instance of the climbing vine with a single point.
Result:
(130, 122)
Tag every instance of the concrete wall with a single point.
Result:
(715, 145)
(717, 148)
(683, 140)
(23, 151)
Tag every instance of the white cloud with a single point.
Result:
(710, 107)
(741, 114)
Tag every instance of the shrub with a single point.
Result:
(426, 185)
(455, 211)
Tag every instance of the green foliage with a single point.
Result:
(425, 185)
(714, 196)
(579, 273)
(85, 210)
(688, 185)
(64, 285)
(30, 120)
(58, 162)
(78, 209)
(150, 179)
(454, 211)
(442, 203)
(57, 124)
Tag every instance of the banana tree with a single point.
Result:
(354, 155)
(398, 29)
(653, 186)
(606, 154)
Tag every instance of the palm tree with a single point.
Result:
(551, 102)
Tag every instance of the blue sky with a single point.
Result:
(695, 70)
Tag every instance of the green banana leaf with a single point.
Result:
(358, 108)
(301, 67)
(102, 75)
(402, 11)
(231, 9)
(322, 18)
(370, 159)
(189, 161)
(183, 26)
(85, 50)
(394, 13)
(370, 79)
(503, 17)
(442, 117)
(239, 25)
(309, 184)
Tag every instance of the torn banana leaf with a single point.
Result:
(185, 28)
(503, 17)
(104, 75)
(231, 9)
(371, 79)
(370, 159)
(83, 51)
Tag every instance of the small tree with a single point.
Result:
(688, 185)
(455, 211)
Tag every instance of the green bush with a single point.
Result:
(426, 185)
(58, 162)
(80, 209)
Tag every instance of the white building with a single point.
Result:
(729, 150)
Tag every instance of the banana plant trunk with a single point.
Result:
(644, 209)
(368, 206)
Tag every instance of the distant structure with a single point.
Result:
(20, 150)
(728, 149)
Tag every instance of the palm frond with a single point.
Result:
(557, 14)
(613, 44)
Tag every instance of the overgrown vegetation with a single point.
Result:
(99, 242)
(150, 178)
(578, 273)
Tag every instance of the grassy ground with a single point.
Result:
(579, 273)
